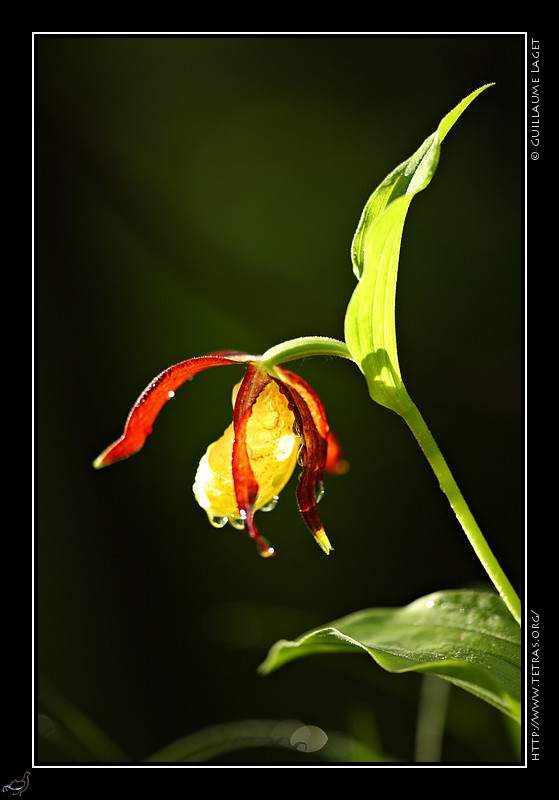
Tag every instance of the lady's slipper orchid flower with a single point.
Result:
(278, 421)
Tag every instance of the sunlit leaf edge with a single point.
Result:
(370, 331)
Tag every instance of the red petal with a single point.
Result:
(148, 405)
(311, 418)
(309, 395)
(246, 486)
(335, 462)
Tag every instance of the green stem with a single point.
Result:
(305, 346)
(401, 402)
(432, 713)
(449, 486)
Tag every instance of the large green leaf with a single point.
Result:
(467, 637)
(370, 331)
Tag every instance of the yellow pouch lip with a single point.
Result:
(272, 447)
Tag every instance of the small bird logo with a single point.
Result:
(17, 787)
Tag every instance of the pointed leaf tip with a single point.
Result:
(370, 325)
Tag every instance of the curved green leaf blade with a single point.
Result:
(217, 740)
(468, 638)
(370, 331)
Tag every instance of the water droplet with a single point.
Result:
(218, 522)
(309, 739)
(302, 456)
(319, 491)
(271, 505)
(296, 428)
(171, 393)
(237, 523)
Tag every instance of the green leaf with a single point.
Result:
(370, 331)
(468, 638)
(218, 740)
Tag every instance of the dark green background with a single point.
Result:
(200, 193)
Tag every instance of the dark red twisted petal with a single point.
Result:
(148, 405)
(246, 486)
(311, 418)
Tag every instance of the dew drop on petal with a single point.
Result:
(237, 523)
(271, 504)
(319, 491)
(218, 522)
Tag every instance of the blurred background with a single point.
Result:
(201, 193)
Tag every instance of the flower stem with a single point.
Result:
(303, 347)
(324, 346)
(449, 486)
